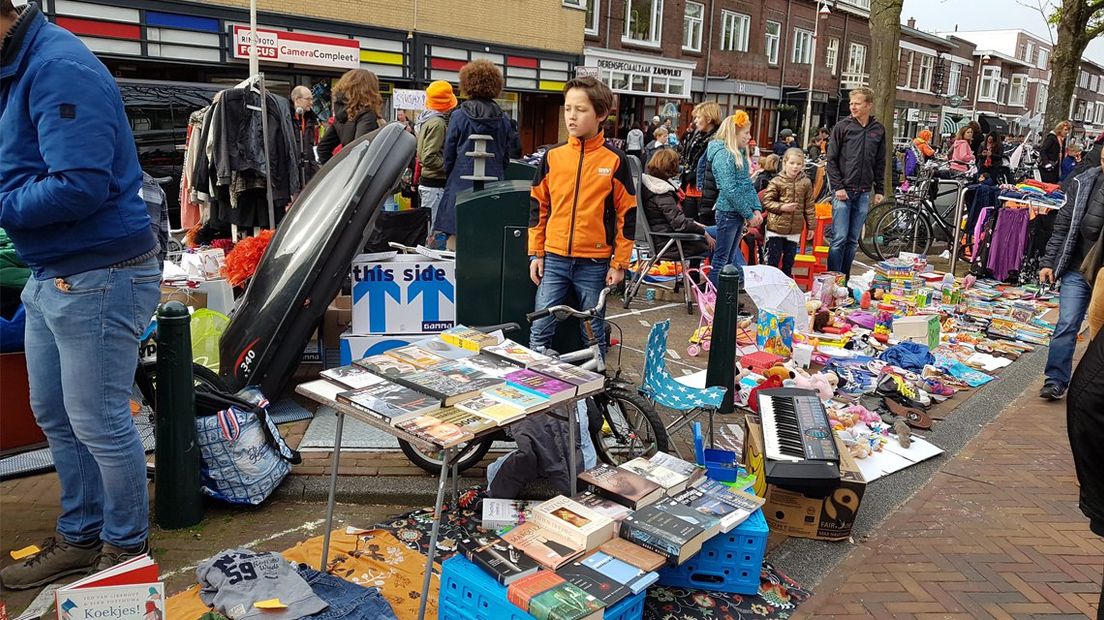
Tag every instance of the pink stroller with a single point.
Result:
(705, 294)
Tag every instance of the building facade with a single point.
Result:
(929, 72)
(1088, 101)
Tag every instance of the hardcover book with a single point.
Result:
(623, 486)
(522, 591)
(633, 554)
(670, 481)
(495, 410)
(386, 366)
(662, 532)
(471, 376)
(602, 505)
(594, 583)
(127, 591)
(536, 543)
(352, 377)
(620, 571)
(445, 389)
(443, 348)
(573, 524)
(390, 401)
(556, 391)
(583, 379)
(516, 396)
(498, 559)
(729, 505)
(516, 353)
(565, 602)
(432, 429)
(416, 356)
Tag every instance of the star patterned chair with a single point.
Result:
(661, 388)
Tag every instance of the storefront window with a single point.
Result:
(643, 21)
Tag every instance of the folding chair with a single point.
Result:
(653, 253)
(661, 388)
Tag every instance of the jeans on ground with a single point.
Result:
(431, 199)
(1073, 301)
(780, 250)
(727, 232)
(587, 276)
(848, 217)
(347, 600)
(82, 349)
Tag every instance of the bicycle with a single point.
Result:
(910, 222)
(622, 424)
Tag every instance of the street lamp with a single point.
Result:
(822, 13)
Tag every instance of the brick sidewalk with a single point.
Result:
(996, 534)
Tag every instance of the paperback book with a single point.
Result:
(498, 558)
(664, 533)
(500, 513)
(416, 356)
(467, 338)
(491, 365)
(634, 554)
(536, 543)
(670, 481)
(622, 486)
(602, 505)
(565, 601)
(464, 420)
(524, 590)
(431, 429)
(594, 583)
(583, 379)
(445, 389)
(573, 524)
(729, 505)
(443, 348)
(620, 571)
(708, 522)
(516, 353)
(386, 366)
(495, 410)
(352, 377)
(471, 376)
(516, 396)
(556, 391)
(691, 471)
(390, 401)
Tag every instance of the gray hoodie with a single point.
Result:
(235, 579)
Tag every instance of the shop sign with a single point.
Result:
(639, 67)
(298, 48)
(933, 117)
(407, 99)
(638, 75)
(587, 72)
(913, 115)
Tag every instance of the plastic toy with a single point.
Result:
(705, 294)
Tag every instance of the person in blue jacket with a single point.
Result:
(737, 204)
(481, 81)
(70, 201)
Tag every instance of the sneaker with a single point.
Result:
(113, 556)
(58, 558)
(1052, 391)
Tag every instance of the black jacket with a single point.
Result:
(1085, 425)
(856, 156)
(1051, 155)
(305, 129)
(1078, 224)
(344, 131)
(661, 207)
(691, 151)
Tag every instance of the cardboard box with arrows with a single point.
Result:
(404, 294)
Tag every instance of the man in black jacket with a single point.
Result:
(856, 168)
(1076, 229)
(1085, 422)
(305, 125)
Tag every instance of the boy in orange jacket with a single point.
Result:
(582, 217)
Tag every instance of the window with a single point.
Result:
(1089, 110)
(1041, 98)
(1030, 55)
(954, 78)
(908, 72)
(856, 59)
(862, 4)
(831, 55)
(734, 31)
(1095, 83)
(592, 8)
(1099, 120)
(927, 63)
(1002, 92)
(1017, 93)
(575, 4)
(643, 21)
(1044, 58)
(692, 26)
(802, 47)
(1079, 114)
(990, 82)
(774, 33)
(1084, 81)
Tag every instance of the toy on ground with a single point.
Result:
(705, 295)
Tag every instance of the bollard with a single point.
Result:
(178, 502)
(721, 369)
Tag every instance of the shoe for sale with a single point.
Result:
(1052, 391)
(113, 556)
(57, 558)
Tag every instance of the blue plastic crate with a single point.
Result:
(469, 593)
(728, 562)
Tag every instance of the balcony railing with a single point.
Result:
(854, 80)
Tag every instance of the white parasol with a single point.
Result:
(768, 287)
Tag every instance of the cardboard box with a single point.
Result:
(799, 515)
(338, 319)
(404, 294)
(356, 346)
(919, 329)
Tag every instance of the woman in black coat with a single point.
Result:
(1053, 152)
(661, 207)
(707, 118)
(356, 107)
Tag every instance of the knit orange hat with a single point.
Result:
(439, 96)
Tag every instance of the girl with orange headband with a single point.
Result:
(737, 204)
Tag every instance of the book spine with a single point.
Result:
(520, 597)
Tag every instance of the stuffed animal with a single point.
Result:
(780, 371)
(769, 384)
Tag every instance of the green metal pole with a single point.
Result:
(178, 502)
(721, 370)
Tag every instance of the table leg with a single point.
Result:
(333, 493)
(572, 427)
(455, 482)
(450, 454)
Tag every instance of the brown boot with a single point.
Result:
(57, 559)
(112, 555)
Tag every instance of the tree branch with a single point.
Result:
(1095, 6)
(1041, 6)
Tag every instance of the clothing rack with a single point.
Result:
(256, 83)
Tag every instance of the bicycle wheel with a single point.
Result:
(631, 427)
(866, 238)
(902, 229)
(470, 454)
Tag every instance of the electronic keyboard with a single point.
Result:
(799, 447)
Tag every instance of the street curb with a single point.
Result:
(381, 490)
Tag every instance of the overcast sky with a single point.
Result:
(943, 15)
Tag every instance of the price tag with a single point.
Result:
(25, 552)
(272, 603)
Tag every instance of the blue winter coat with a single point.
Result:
(69, 174)
(474, 116)
(735, 189)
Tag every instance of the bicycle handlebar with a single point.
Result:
(562, 312)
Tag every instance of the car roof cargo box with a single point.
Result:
(302, 270)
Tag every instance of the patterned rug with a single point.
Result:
(778, 595)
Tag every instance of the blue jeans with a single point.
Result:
(82, 349)
(781, 251)
(347, 600)
(587, 276)
(848, 217)
(728, 232)
(1073, 301)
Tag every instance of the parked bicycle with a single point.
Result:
(913, 220)
(622, 424)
